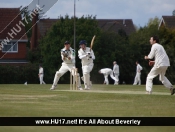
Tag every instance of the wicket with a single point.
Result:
(74, 79)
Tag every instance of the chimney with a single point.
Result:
(124, 22)
(34, 38)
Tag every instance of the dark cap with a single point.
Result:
(67, 42)
(83, 42)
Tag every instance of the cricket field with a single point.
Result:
(34, 100)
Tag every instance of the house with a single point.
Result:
(167, 22)
(114, 25)
(13, 37)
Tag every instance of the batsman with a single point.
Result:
(68, 57)
(87, 56)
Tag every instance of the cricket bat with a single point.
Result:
(92, 43)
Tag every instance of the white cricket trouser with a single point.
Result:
(64, 68)
(41, 79)
(137, 78)
(153, 73)
(116, 77)
(106, 77)
(86, 74)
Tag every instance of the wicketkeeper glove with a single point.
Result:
(64, 54)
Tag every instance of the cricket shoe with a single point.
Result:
(86, 88)
(90, 85)
(52, 88)
(148, 92)
(80, 88)
(172, 91)
(116, 83)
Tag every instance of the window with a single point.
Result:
(10, 47)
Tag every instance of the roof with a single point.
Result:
(168, 21)
(116, 24)
(9, 18)
(45, 24)
(106, 24)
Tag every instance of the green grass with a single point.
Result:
(111, 101)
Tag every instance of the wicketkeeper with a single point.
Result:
(87, 56)
(106, 72)
(68, 57)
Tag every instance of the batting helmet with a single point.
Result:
(66, 42)
(83, 42)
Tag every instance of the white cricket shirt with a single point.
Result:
(106, 71)
(84, 59)
(116, 69)
(160, 55)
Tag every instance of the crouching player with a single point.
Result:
(106, 72)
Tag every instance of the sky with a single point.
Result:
(140, 11)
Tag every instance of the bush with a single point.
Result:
(11, 74)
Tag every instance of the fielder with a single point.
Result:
(116, 72)
(87, 56)
(41, 75)
(137, 79)
(161, 64)
(106, 72)
(68, 57)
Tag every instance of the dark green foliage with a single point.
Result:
(19, 74)
(168, 41)
(34, 56)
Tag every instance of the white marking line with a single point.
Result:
(26, 96)
(120, 92)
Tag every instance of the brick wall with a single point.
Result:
(21, 54)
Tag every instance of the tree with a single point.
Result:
(167, 39)
(153, 21)
(173, 13)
